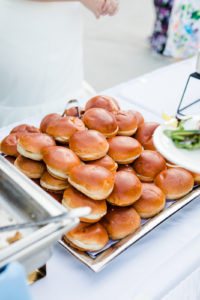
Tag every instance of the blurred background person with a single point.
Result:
(163, 10)
(41, 63)
(177, 28)
(121, 43)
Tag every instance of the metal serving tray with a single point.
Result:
(105, 257)
(25, 201)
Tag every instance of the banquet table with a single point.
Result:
(165, 264)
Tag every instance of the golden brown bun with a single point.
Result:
(126, 168)
(151, 202)
(52, 184)
(124, 149)
(73, 111)
(196, 177)
(139, 117)
(31, 145)
(148, 165)
(101, 120)
(127, 122)
(127, 189)
(25, 128)
(121, 221)
(46, 120)
(60, 161)
(144, 135)
(63, 128)
(89, 144)
(103, 101)
(31, 168)
(174, 182)
(87, 237)
(9, 144)
(106, 162)
(94, 181)
(74, 199)
(55, 195)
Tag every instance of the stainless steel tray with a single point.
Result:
(25, 201)
(104, 258)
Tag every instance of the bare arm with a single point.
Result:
(98, 7)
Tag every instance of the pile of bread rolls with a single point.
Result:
(106, 160)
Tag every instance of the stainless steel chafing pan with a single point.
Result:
(25, 201)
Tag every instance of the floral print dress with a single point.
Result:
(177, 28)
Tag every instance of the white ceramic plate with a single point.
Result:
(188, 159)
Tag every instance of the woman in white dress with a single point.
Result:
(41, 54)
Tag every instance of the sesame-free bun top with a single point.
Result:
(139, 117)
(9, 144)
(74, 199)
(31, 144)
(53, 184)
(87, 237)
(148, 165)
(73, 111)
(46, 120)
(126, 121)
(31, 168)
(126, 168)
(60, 160)
(124, 149)
(121, 221)
(151, 202)
(89, 144)
(127, 189)
(106, 162)
(103, 101)
(144, 135)
(25, 128)
(63, 128)
(94, 181)
(101, 120)
(174, 182)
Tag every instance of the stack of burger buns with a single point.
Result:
(106, 160)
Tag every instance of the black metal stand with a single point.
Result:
(180, 111)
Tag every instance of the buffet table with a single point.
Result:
(165, 264)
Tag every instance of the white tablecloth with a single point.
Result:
(165, 264)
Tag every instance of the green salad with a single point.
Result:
(187, 134)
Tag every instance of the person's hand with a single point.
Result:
(96, 6)
(110, 7)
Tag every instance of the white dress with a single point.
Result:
(40, 57)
